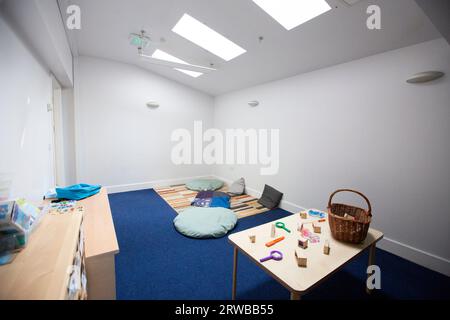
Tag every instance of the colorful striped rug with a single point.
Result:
(180, 198)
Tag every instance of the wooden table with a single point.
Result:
(319, 266)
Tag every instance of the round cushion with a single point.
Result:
(204, 184)
(205, 222)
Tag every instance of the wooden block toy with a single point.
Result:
(300, 227)
(252, 238)
(303, 214)
(317, 228)
(326, 247)
(301, 259)
(273, 231)
(303, 243)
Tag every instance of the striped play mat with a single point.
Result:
(180, 198)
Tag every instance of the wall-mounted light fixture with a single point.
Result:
(152, 105)
(253, 103)
(425, 76)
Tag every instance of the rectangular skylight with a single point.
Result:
(205, 37)
(191, 73)
(159, 54)
(292, 13)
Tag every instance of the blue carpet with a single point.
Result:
(156, 262)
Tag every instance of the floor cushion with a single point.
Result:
(203, 199)
(223, 202)
(202, 202)
(270, 198)
(237, 188)
(208, 199)
(204, 184)
(205, 222)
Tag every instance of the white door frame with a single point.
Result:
(58, 138)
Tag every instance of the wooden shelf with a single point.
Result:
(100, 235)
(41, 270)
(100, 247)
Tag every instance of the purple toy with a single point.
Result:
(275, 255)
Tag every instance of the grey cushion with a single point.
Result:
(237, 188)
(205, 222)
(270, 198)
(204, 184)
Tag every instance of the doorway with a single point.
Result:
(57, 134)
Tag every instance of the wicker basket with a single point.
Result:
(348, 229)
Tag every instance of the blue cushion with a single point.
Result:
(77, 191)
(208, 199)
(205, 222)
(223, 202)
(204, 184)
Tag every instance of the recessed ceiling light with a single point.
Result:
(159, 54)
(205, 37)
(292, 13)
(190, 73)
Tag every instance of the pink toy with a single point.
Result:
(309, 235)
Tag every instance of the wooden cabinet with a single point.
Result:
(44, 268)
(101, 247)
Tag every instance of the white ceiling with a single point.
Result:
(338, 36)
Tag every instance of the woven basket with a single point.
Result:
(345, 228)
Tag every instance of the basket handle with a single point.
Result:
(354, 191)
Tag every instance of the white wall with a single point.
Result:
(360, 125)
(119, 141)
(39, 23)
(25, 124)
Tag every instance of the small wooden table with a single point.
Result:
(319, 266)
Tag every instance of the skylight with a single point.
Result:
(191, 73)
(292, 13)
(205, 37)
(159, 54)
